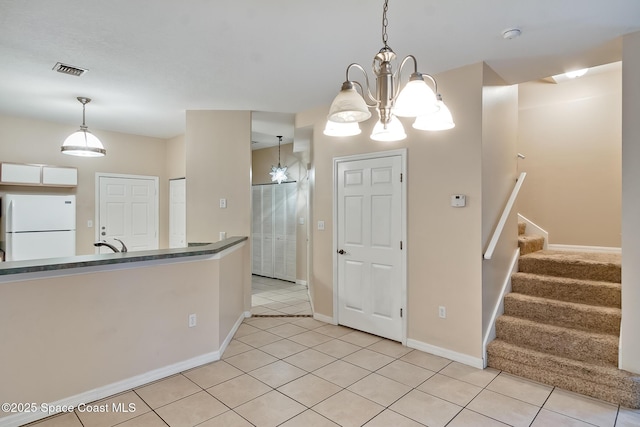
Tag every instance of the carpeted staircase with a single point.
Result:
(561, 324)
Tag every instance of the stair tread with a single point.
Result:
(567, 280)
(586, 368)
(579, 257)
(564, 304)
(595, 347)
(583, 291)
(602, 382)
(581, 265)
(573, 315)
(557, 328)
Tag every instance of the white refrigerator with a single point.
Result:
(37, 226)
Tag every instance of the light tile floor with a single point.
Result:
(299, 372)
(276, 297)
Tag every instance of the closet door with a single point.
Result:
(274, 231)
(285, 231)
(256, 230)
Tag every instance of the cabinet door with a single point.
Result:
(59, 176)
(20, 174)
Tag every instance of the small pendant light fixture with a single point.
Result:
(279, 173)
(82, 142)
(416, 99)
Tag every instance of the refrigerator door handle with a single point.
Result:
(10, 235)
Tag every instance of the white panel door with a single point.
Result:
(177, 213)
(369, 234)
(128, 211)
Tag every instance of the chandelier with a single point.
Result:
(82, 142)
(279, 173)
(416, 99)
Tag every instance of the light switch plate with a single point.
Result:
(223, 203)
(320, 225)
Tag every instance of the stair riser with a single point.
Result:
(567, 381)
(584, 318)
(600, 349)
(529, 244)
(596, 293)
(585, 271)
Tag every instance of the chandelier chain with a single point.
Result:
(385, 22)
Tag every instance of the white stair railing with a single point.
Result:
(505, 215)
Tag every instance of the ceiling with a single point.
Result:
(151, 60)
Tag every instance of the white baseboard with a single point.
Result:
(578, 248)
(323, 318)
(232, 332)
(129, 383)
(301, 282)
(111, 389)
(465, 359)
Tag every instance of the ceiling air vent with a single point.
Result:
(69, 69)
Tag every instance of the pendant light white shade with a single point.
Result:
(348, 106)
(415, 99)
(440, 120)
(341, 129)
(83, 143)
(393, 131)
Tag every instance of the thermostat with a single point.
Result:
(458, 200)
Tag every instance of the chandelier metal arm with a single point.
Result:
(373, 101)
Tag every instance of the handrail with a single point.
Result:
(505, 215)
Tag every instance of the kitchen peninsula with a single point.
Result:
(74, 330)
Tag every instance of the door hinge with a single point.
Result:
(400, 312)
(400, 177)
(400, 244)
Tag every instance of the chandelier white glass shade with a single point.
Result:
(416, 99)
(278, 174)
(82, 142)
(440, 120)
(341, 129)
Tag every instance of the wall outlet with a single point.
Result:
(89, 224)
(193, 320)
(223, 235)
(442, 312)
(320, 225)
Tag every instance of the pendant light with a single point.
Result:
(82, 142)
(279, 173)
(416, 99)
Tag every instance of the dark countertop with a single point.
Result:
(50, 264)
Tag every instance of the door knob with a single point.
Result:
(342, 252)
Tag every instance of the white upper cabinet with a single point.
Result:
(25, 174)
(53, 175)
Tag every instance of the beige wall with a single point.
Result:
(218, 165)
(261, 163)
(499, 164)
(570, 134)
(444, 246)
(629, 337)
(176, 162)
(34, 141)
(103, 327)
